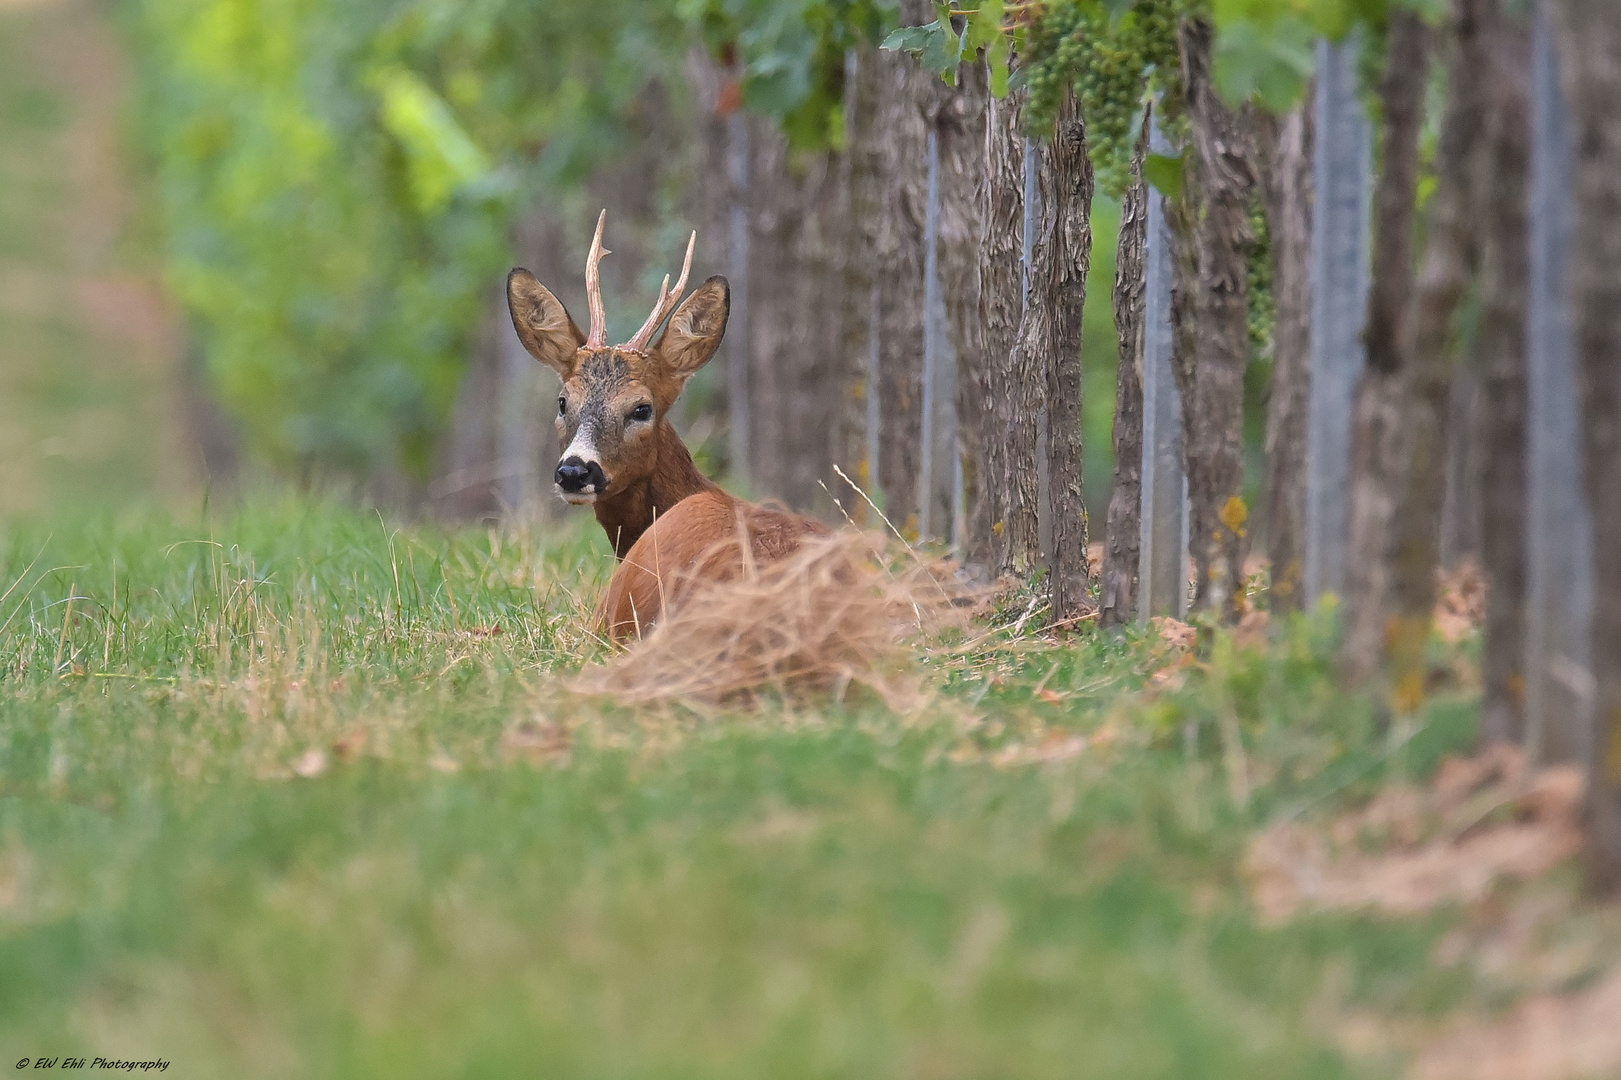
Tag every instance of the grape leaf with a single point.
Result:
(1164, 173)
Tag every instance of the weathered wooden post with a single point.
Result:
(1559, 540)
(1163, 576)
(1341, 236)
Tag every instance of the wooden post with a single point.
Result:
(1341, 235)
(1163, 578)
(1559, 540)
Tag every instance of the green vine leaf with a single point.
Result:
(1164, 173)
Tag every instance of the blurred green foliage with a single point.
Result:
(337, 183)
(338, 179)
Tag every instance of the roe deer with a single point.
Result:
(670, 526)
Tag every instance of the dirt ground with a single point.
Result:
(90, 354)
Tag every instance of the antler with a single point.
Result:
(598, 338)
(666, 302)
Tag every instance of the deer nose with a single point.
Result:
(578, 477)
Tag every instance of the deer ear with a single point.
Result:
(542, 322)
(696, 328)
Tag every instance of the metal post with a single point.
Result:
(1559, 531)
(1163, 560)
(875, 330)
(1032, 219)
(931, 335)
(737, 342)
(515, 467)
(1340, 253)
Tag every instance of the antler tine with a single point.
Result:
(666, 302)
(598, 338)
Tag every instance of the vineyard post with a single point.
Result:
(516, 451)
(874, 414)
(737, 340)
(933, 329)
(1163, 576)
(1341, 241)
(1558, 698)
(1032, 214)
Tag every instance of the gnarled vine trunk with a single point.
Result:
(1214, 400)
(960, 123)
(1588, 33)
(1450, 259)
(1289, 208)
(1122, 550)
(1008, 445)
(1049, 346)
(1376, 440)
(1501, 368)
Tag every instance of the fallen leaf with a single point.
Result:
(1175, 632)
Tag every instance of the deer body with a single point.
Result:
(670, 526)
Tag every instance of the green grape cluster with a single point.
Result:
(1263, 304)
(1109, 63)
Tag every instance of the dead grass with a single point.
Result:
(1483, 820)
(844, 611)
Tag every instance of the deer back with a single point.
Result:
(706, 539)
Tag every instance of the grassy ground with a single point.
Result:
(295, 792)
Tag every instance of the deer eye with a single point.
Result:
(562, 406)
(642, 413)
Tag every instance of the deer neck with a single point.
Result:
(631, 512)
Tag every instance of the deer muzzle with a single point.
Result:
(580, 481)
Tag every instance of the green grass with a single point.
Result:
(822, 891)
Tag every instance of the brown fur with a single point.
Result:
(627, 515)
(706, 538)
(668, 523)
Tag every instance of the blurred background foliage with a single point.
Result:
(339, 182)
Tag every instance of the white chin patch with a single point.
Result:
(578, 498)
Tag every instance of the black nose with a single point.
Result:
(578, 477)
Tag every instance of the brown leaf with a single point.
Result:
(1175, 632)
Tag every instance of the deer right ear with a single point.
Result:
(542, 322)
(696, 328)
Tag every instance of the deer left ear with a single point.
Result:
(542, 322)
(695, 330)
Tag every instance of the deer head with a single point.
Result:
(611, 412)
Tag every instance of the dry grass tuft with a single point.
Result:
(842, 611)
